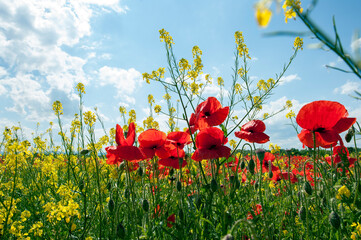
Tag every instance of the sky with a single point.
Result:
(47, 47)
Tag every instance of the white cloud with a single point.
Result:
(356, 44)
(289, 78)
(125, 81)
(348, 88)
(32, 39)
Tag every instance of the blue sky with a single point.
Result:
(47, 47)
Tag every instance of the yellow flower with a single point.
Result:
(289, 104)
(265, 115)
(122, 110)
(89, 118)
(343, 191)
(241, 46)
(298, 43)
(289, 7)
(58, 108)
(167, 97)
(80, 88)
(183, 65)
(290, 114)
(165, 37)
(263, 15)
(157, 108)
(151, 99)
(220, 81)
(146, 77)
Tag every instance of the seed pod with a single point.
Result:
(140, 171)
(302, 213)
(260, 154)
(307, 187)
(111, 205)
(120, 231)
(243, 165)
(180, 214)
(171, 172)
(145, 205)
(335, 220)
(126, 193)
(179, 186)
(251, 166)
(84, 152)
(81, 185)
(214, 185)
(256, 185)
(349, 135)
(270, 174)
(109, 186)
(228, 218)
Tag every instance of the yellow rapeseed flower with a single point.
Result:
(165, 37)
(298, 43)
(58, 108)
(263, 14)
(80, 88)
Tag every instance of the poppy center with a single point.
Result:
(213, 147)
(321, 129)
(207, 114)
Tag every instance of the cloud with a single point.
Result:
(348, 88)
(356, 44)
(125, 81)
(289, 78)
(34, 64)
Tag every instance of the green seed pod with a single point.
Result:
(126, 193)
(302, 213)
(109, 186)
(260, 154)
(214, 185)
(179, 186)
(180, 214)
(111, 205)
(228, 218)
(243, 165)
(84, 152)
(81, 185)
(251, 166)
(349, 135)
(256, 185)
(232, 178)
(120, 231)
(140, 171)
(307, 187)
(335, 220)
(145, 205)
(171, 172)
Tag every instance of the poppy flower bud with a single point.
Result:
(228, 218)
(171, 172)
(120, 231)
(256, 185)
(349, 135)
(179, 186)
(251, 166)
(335, 220)
(214, 185)
(232, 178)
(109, 186)
(228, 237)
(81, 185)
(302, 213)
(145, 205)
(307, 187)
(126, 193)
(140, 171)
(111, 205)
(260, 154)
(84, 152)
(180, 214)
(270, 174)
(243, 165)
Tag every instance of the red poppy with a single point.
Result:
(210, 144)
(210, 113)
(152, 143)
(268, 159)
(338, 153)
(192, 123)
(124, 149)
(178, 139)
(173, 159)
(325, 119)
(253, 132)
(170, 220)
(257, 210)
(278, 176)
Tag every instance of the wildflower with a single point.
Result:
(124, 149)
(167, 97)
(324, 119)
(289, 104)
(253, 132)
(146, 77)
(263, 13)
(174, 158)
(241, 46)
(157, 108)
(58, 108)
(210, 144)
(257, 210)
(80, 88)
(165, 37)
(152, 143)
(89, 118)
(290, 114)
(210, 113)
(298, 43)
(289, 7)
(220, 81)
(151, 99)
(170, 219)
(343, 192)
(340, 153)
(178, 139)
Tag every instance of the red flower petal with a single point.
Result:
(254, 126)
(320, 114)
(256, 137)
(343, 124)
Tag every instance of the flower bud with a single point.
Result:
(145, 205)
(140, 171)
(251, 166)
(302, 213)
(335, 220)
(111, 205)
(214, 185)
(307, 187)
(179, 186)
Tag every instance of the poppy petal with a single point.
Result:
(343, 124)
(119, 135)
